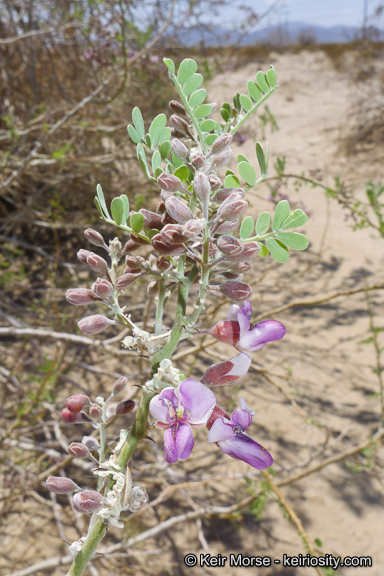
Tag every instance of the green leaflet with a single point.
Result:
(197, 97)
(118, 211)
(156, 128)
(186, 69)
(247, 227)
(138, 121)
(133, 133)
(263, 223)
(203, 111)
(278, 251)
(193, 84)
(262, 82)
(136, 222)
(282, 211)
(101, 201)
(293, 240)
(294, 220)
(247, 172)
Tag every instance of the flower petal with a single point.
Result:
(221, 430)
(159, 405)
(178, 444)
(241, 418)
(244, 406)
(266, 331)
(228, 372)
(244, 307)
(242, 447)
(198, 401)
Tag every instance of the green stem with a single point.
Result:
(160, 308)
(252, 110)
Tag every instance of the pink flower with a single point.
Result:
(175, 411)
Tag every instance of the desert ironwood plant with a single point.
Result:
(198, 241)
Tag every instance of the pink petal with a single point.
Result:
(198, 401)
(266, 331)
(244, 406)
(158, 407)
(228, 372)
(241, 418)
(221, 430)
(179, 444)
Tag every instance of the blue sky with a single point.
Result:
(321, 12)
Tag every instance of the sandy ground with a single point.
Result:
(322, 397)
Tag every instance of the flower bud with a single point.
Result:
(151, 219)
(177, 210)
(134, 264)
(229, 245)
(222, 158)
(87, 501)
(138, 240)
(81, 296)
(78, 450)
(97, 263)
(111, 410)
(164, 248)
(102, 288)
(177, 108)
(232, 208)
(91, 443)
(125, 280)
(224, 193)
(94, 324)
(71, 417)
(202, 187)
(217, 413)
(82, 255)
(179, 149)
(192, 228)
(174, 234)
(60, 485)
(153, 288)
(249, 251)
(162, 263)
(95, 411)
(169, 182)
(76, 403)
(179, 124)
(228, 227)
(119, 385)
(235, 290)
(228, 372)
(197, 159)
(221, 142)
(125, 407)
(129, 247)
(95, 238)
(215, 182)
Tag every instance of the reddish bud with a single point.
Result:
(192, 228)
(248, 252)
(125, 407)
(179, 149)
(177, 107)
(215, 182)
(90, 442)
(174, 234)
(129, 247)
(119, 385)
(235, 290)
(229, 245)
(138, 240)
(224, 193)
(151, 219)
(94, 324)
(169, 182)
(95, 411)
(178, 210)
(102, 288)
(202, 187)
(222, 158)
(70, 417)
(87, 501)
(95, 238)
(77, 402)
(197, 159)
(162, 263)
(78, 450)
(60, 485)
(125, 280)
(221, 142)
(232, 208)
(81, 296)
(97, 263)
(180, 125)
(164, 248)
(228, 227)
(82, 255)
(111, 410)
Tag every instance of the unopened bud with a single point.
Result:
(215, 182)
(81, 296)
(229, 245)
(95, 238)
(177, 210)
(179, 149)
(249, 251)
(179, 124)
(202, 187)
(169, 182)
(97, 263)
(78, 450)
(221, 142)
(125, 407)
(151, 219)
(197, 158)
(94, 324)
(102, 288)
(77, 402)
(174, 234)
(111, 410)
(222, 158)
(138, 239)
(95, 411)
(125, 280)
(129, 247)
(87, 501)
(153, 288)
(192, 228)
(70, 417)
(91, 443)
(177, 108)
(232, 208)
(162, 263)
(60, 485)
(163, 247)
(224, 193)
(235, 290)
(119, 385)
(134, 264)
(82, 255)
(228, 227)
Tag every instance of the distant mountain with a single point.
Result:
(289, 33)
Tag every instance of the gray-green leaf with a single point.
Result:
(247, 172)
(197, 97)
(262, 82)
(137, 222)
(203, 111)
(117, 209)
(278, 251)
(282, 211)
(263, 250)
(254, 91)
(169, 64)
(272, 77)
(156, 128)
(186, 69)
(263, 223)
(293, 240)
(138, 121)
(247, 227)
(296, 219)
(246, 102)
(133, 133)
(261, 159)
(101, 199)
(193, 84)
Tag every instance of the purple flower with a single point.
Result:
(238, 331)
(175, 411)
(229, 435)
